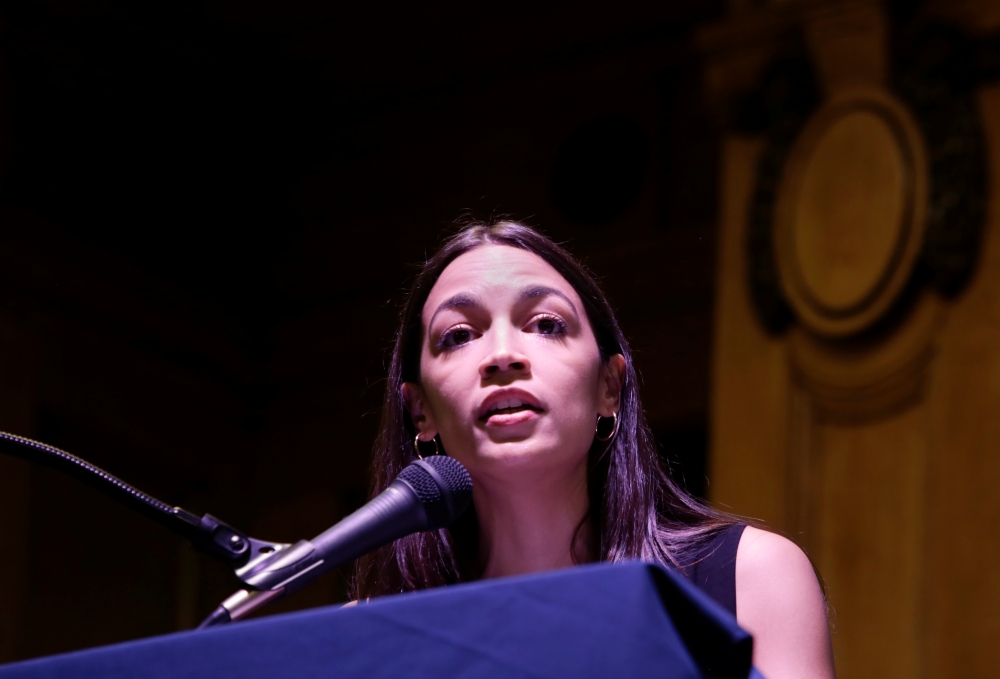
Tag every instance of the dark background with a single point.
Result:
(209, 212)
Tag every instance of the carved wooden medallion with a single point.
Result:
(850, 212)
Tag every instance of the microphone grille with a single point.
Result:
(456, 478)
(444, 498)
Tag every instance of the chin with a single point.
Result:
(533, 452)
(515, 450)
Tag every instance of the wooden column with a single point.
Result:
(857, 408)
(750, 382)
(961, 588)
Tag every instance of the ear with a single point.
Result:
(611, 383)
(419, 409)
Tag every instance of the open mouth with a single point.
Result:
(509, 406)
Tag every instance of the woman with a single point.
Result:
(510, 360)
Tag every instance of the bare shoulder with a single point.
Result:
(779, 600)
(764, 558)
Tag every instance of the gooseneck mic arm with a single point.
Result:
(427, 495)
(207, 533)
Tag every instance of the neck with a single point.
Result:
(533, 524)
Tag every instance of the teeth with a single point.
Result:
(507, 403)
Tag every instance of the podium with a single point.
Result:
(627, 620)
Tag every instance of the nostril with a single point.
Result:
(517, 365)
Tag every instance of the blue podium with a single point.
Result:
(631, 620)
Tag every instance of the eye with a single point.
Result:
(548, 325)
(456, 337)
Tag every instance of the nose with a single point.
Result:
(505, 356)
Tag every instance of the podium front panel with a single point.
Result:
(632, 620)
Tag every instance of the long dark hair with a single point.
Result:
(636, 510)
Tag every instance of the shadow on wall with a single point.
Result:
(685, 451)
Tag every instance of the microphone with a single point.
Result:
(427, 495)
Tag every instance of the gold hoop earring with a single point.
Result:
(416, 446)
(614, 429)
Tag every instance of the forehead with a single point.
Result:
(491, 270)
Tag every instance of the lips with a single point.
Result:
(509, 406)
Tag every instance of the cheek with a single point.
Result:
(577, 385)
(448, 400)
(449, 405)
(587, 375)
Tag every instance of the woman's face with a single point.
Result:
(510, 371)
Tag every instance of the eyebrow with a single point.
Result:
(544, 291)
(462, 299)
(465, 299)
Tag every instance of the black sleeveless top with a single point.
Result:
(713, 568)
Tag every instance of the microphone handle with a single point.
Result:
(394, 513)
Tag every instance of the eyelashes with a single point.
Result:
(455, 337)
(547, 324)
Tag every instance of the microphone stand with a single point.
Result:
(207, 533)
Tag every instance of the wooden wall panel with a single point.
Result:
(876, 447)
